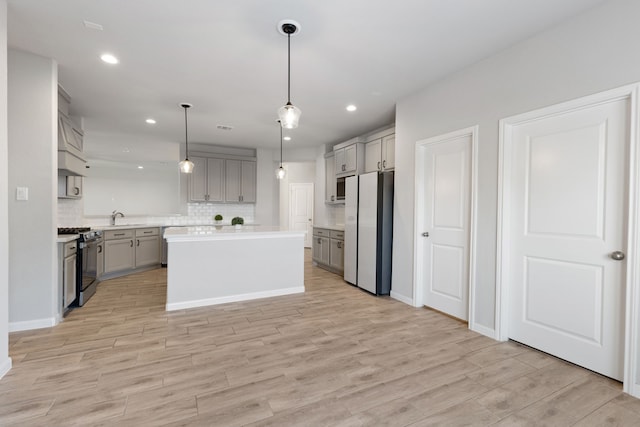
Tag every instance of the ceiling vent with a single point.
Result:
(224, 127)
(92, 25)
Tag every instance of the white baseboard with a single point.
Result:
(483, 330)
(27, 325)
(233, 298)
(401, 298)
(5, 366)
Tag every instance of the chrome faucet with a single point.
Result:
(114, 215)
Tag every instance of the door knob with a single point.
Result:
(617, 255)
(425, 234)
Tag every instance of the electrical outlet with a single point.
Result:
(22, 193)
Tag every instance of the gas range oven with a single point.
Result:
(89, 253)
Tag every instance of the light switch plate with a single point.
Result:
(22, 193)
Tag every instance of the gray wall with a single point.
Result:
(33, 96)
(5, 362)
(593, 52)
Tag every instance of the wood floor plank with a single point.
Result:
(334, 355)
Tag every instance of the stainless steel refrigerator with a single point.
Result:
(369, 231)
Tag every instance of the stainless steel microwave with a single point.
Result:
(340, 187)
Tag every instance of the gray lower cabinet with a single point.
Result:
(119, 254)
(147, 247)
(130, 249)
(328, 249)
(336, 250)
(70, 251)
(320, 249)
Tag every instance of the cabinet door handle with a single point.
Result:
(384, 163)
(138, 242)
(118, 234)
(378, 165)
(72, 248)
(332, 198)
(319, 241)
(99, 249)
(340, 245)
(76, 190)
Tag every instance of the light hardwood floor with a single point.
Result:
(334, 356)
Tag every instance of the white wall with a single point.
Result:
(267, 188)
(120, 186)
(5, 361)
(32, 123)
(593, 52)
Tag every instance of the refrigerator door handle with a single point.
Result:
(425, 234)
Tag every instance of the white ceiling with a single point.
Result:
(228, 59)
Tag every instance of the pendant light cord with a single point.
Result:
(186, 135)
(288, 68)
(280, 145)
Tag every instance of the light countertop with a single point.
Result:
(330, 227)
(65, 238)
(207, 232)
(130, 226)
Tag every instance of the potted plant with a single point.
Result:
(237, 221)
(218, 221)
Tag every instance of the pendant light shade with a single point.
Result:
(186, 166)
(280, 172)
(289, 114)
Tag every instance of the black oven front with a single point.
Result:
(87, 280)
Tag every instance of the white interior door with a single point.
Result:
(445, 232)
(301, 210)
(567, 204)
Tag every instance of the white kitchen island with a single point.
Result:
(207, 266)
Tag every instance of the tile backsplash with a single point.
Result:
(71, 214)
(203, 213)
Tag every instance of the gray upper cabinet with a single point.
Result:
(349, 158)
(330, 178)
(373, 161)
(69, 187)
(380, 154)
(240, 181)
(70, 140)
(206, 183)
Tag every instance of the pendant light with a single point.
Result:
(289, 114)
(186, 166)
(280, 172)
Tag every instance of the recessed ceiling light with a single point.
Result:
(140, 167)
(109, 58)
(287, 138)
(351, 107)
(151, 121)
